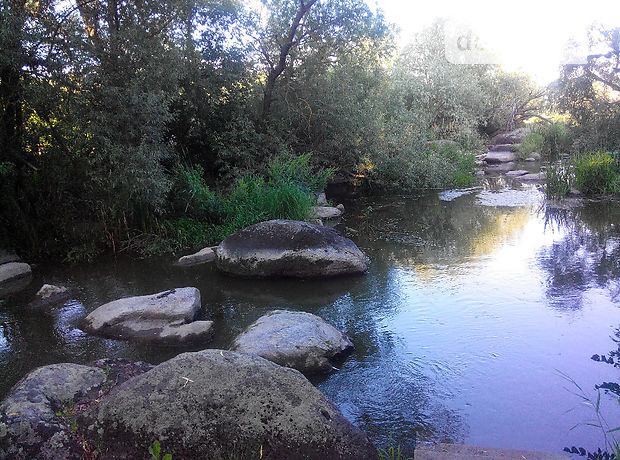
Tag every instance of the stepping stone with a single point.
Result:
(518, 172)
(500, 157)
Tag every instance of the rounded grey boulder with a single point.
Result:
(224, 404)
(289, 248)
(166, 317)
(294, 339)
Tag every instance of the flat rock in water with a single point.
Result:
(289, 248)
(203, 256)
(166, 317)
(500, 167)
(294, 339)
(531, 160)
(14, 276)
(325, 212)
(530, 177)
(518, 172)
(228, 405)
(504, 148)
(6, 257)
(500, 157)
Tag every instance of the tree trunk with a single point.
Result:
(285, 49)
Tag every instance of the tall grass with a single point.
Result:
(612, 443)
(560, 179)
(200, 216)
(549, 140)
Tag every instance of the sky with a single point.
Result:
(528, 35)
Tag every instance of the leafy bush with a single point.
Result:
(596, 173)
(298, 171)
(438, 167)
(550, 140)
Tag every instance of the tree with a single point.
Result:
(313, 33)
(589, 92)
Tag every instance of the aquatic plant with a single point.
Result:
(392, 452)
(611, 442)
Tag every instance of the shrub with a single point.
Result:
(440, 166)
(596, 173)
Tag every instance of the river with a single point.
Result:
(474, 305)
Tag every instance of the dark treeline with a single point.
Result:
(151, 126)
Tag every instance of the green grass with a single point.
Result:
(392, 452)
(202, 217)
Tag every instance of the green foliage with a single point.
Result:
(68, 414)
(296, 170)
(609, 434)
(392, 452)
(596, 173)
(533, 142)
(586, 92)
(438, 167)
(551, 140)
(201, 217)
(155, 451)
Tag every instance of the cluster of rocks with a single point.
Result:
(248, 400)
(214, 403)
(503, 156)
(166, 318)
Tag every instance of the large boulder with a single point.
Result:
(38, 418)
(294, 339)
(34, 416)
(289, 248)
(223, 404)
(166, 317)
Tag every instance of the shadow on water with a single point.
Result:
(472, 299)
